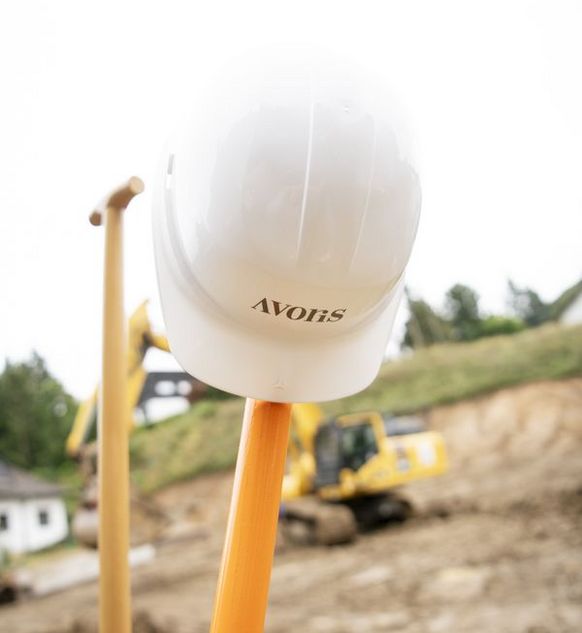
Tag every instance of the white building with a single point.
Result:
(32, 512)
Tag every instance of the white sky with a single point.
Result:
(90, 91)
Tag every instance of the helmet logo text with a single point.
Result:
(298, 313)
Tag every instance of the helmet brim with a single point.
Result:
(249, 364)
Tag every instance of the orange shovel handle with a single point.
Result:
(243, 584)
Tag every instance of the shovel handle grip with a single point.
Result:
(118, 199)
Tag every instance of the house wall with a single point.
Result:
(25, 532)
(573, 314)
(11, 539)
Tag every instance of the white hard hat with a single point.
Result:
(283, 224)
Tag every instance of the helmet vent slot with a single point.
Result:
(169, 171)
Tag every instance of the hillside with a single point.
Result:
(205, 438)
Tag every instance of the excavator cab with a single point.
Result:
(340, 446)
(358, 445)
(368, 453)
(328, 457)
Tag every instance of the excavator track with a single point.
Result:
(374, 510)
(308, 521)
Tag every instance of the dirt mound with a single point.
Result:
(531, 421)
(513, 445)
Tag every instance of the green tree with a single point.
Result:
(424, 326)
(496, 325)
(564, 301)
(36, 414)
(462, 309)
(526, 304)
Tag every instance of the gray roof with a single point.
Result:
(16, 483)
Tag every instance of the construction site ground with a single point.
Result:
(496, 545)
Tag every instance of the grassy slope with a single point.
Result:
(451, 372)
(205, 438)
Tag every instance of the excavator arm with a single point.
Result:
(140, 339)
(300, 475)
(82, 424)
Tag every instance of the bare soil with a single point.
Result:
(496, 545)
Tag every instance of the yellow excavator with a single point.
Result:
(343, 473)
(143, 386)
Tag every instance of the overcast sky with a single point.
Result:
(91, 90)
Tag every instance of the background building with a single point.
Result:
(32, 512)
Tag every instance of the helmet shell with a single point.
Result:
(283, 224)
